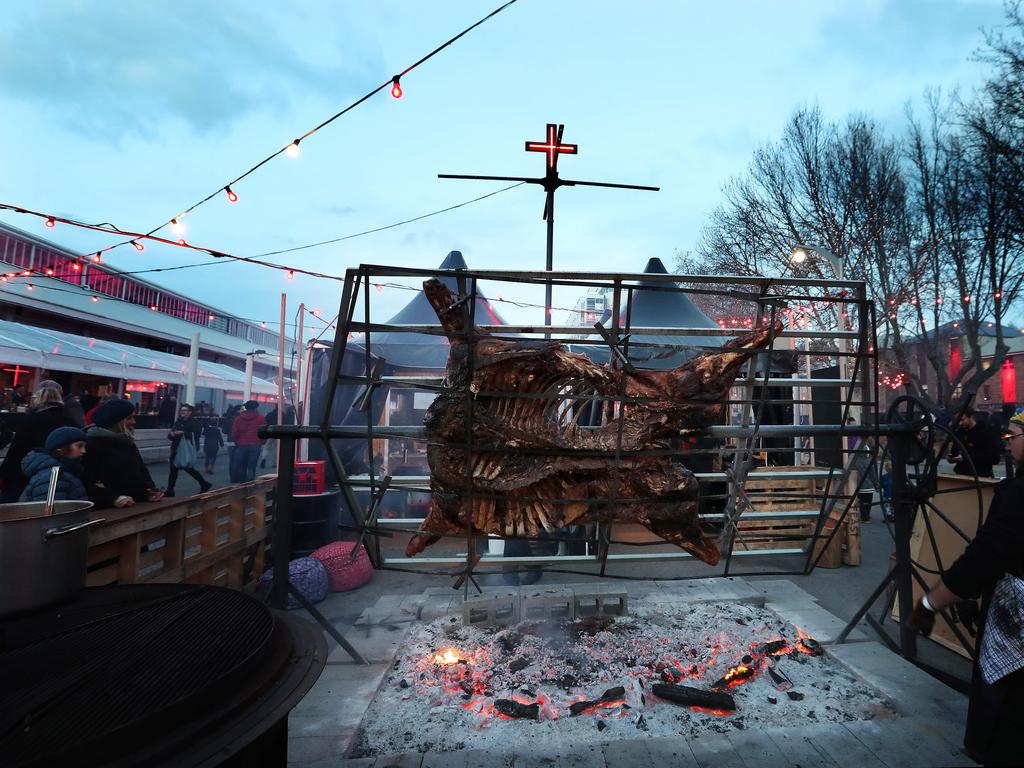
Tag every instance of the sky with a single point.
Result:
(130, 112)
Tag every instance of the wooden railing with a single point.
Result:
(220, 537)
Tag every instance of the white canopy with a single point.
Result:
(58, 351)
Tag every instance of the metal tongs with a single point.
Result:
(51, 492)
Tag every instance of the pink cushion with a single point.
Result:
(344, 573)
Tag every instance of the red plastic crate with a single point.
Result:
(309, 478)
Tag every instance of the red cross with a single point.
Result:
(17, 370)
(554, 146)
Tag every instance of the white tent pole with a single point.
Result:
(247, 392)
(193, 371)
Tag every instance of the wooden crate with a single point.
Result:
(776, 495)
(217, 538)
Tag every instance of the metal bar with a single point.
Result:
(603, 278)
(328, 627)
(791, 514)
(852, 623)
(438, 382)
(281, 536)
(435, 329)
(338, 348)
(460, 560)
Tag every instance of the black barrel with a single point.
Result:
(314, 520)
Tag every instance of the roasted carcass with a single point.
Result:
(514, 459)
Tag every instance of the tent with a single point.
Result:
(420, 351)
(659, 309)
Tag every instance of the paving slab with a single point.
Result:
(912, 691)
(713, 750)
(904, 743)
(756, 749)
(403, 760)
(469, 758)
(377, 643)
(815, 621)
(650, 753)
(582, 756)
(799, 745)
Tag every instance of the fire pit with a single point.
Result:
(664, 670)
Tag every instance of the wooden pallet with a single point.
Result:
(776, 495)
(218, 538)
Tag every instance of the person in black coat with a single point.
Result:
(190, 429)
(113, 470)
(213, 440)
(64, 448)
(30, 431)
(995, 717)
(984, 448)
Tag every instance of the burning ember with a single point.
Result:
(662, 671)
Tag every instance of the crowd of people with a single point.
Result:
(93, 444)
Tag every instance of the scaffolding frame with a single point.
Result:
(767, 297)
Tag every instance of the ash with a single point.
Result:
(442, 691)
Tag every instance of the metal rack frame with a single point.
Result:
(767, 297)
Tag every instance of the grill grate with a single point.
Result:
(120, 669)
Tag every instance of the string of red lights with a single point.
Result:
(292, 148)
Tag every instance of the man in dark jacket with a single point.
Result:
(64, 448)
(115, 474)
(185, 429)
(30, 431)
(984, 447)
(244, 434)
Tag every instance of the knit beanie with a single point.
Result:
(251, 405)
(63, 436)
(111, 412)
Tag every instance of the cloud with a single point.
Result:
(111, 70)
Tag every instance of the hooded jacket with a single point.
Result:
(114, 467)
(37, 465)
(30, 431)
(244, 430)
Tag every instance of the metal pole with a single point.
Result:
(247, 391)
(549, 263)
(903, 509)
(193, 370)
(281, 536)
(298, 390)
(280, 371)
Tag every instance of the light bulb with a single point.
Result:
(49, 271)
(177, 227)
(95, 299)
(97, 259)
(291, 274)
(232, 197)
(153, 307)
(213, 317)
(292, 150)
(396, 87)
(50, 223)
(76, 265)
(379, 287)
(138, 246)
(30, 287)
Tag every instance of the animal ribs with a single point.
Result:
(531, 466)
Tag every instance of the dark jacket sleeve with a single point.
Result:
(997, 548)
(92, 464)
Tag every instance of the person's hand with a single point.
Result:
(922, 620)
(124, 501)
(155, 495)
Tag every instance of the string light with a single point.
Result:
(138, 246)
(153, 307)
(50, 223)
(998, 294)
(967, 298)
(97, 258)
(232, 197)
(76, 265)
(291, 274)
(213, 317)
(95, 299)
(292, 150)
(379, 287)
(396, 87)
(177, 227)
(29, 287)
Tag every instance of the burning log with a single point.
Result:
(776, 647)
(613, 697)
(735, 676)
(510, 708)
(810, 646)
(694, 697)
(522, 389)
(779, 679)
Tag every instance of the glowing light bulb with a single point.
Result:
(50, 223)
(153, 307)
(3, 278)
(95, 299)
(213, 317)
(30, 287)
(967, 299)
(232, 197)
(49, 271)
(27, 273)
(998, 294)
(396, 87)
(291, 274)
(379, 287)
(76, 265)
(177, 227)
(138, 246)
(292, 150)
(97, 259)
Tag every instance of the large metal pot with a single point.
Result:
(42, 559)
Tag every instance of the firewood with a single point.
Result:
(694, 697)
(618, 693)
(511, 708)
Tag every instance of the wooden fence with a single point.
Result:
(220, 537)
